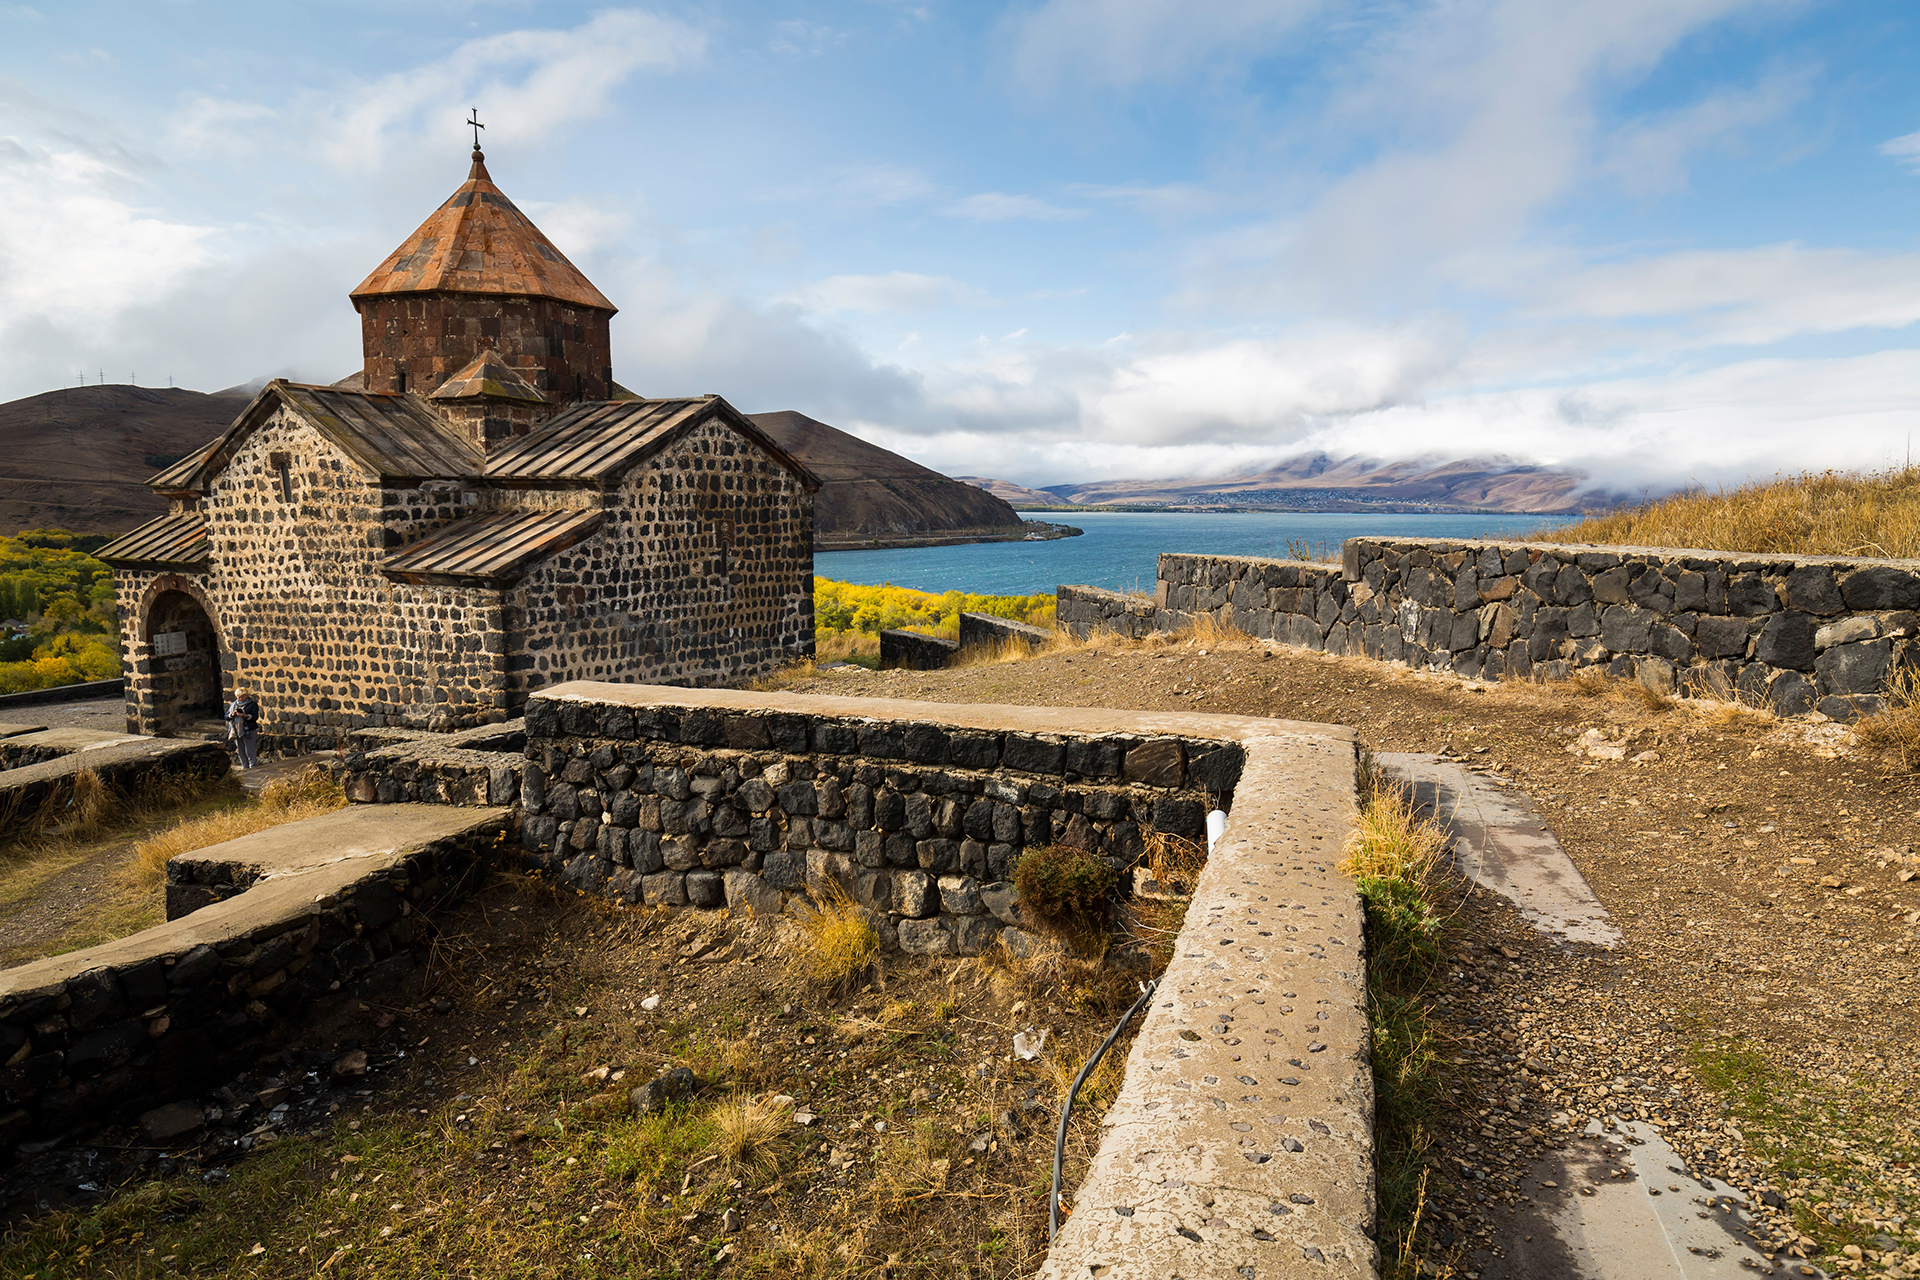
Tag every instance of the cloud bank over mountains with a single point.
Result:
(1661, 242)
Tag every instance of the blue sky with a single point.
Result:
(1658, 240)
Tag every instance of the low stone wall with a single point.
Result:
(336, 904)
(718, 798)
(1080, 611)
(479, 766)
(913, 651)
(1795, 632)
(984, 630)
(127, 766)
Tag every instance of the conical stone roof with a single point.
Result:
(478, 242)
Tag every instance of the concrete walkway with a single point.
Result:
(1620, 1204)
(1501, 844)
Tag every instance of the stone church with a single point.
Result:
(479, 512)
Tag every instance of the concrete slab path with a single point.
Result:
(1621, 1204)
(1500, 843)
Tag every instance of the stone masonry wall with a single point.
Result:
(703, 573)
(1797, 633)
(152, 1021)
(416, 341)
(919, 823)
(300, 611)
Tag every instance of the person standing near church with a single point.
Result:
(243, 726)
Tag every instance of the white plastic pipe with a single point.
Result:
(1216, 825)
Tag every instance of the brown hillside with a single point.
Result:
(871, 493)
(78, 458)
(1014, 493)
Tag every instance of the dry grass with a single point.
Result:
(1595, 682)
(835, 946)
(913, 1164)
(1210, 633)
(1391, 841)
(306, 794)
(1895, 728)
(749, 1133)
(1829, 513)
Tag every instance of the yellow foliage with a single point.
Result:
(840, 607)
(1831, 513)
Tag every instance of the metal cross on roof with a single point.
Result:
(477, 127)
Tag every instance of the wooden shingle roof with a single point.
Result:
(491, 548)
(479, 242)
(394, 437)
(598, 442)
(173, 540)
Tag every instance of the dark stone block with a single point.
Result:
(1855, 668)
(95, 996)
(1160, 762)
(376, 903)
(978, 821)
(974, 750)
(539, 831)
(145, 983)
(706, 889)
(579, 719)
(1749, 596)
(112, 1046)
(1812, 588)
(352, 956)
(1787, 641)
(643, 852)
(1034, 753)
(543, 718)
(901, 850)
(1881, 587)
(1216, 769)
(784, 871)
(1181, 817)
(836, 739)
(616, 722)
(701, 727)
(787, 732)
(882, 742)
(1095, 757)
(1718, 637)
(941, 857)
(747, 733)
(799, 799)
(925, 744)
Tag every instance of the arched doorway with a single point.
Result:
(186, 662)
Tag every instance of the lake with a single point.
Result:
(1119, 549)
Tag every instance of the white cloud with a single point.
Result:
(995, 206)
(531, 82)
(75, 248)
(1905, 149)
(1650, 156)
(890, 291)
(1123, 43)
(798, 38)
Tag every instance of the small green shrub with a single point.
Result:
(1064, 890)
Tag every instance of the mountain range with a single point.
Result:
(1319, 482)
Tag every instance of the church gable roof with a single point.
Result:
(601, 441)
(479, 242)
(393, 437)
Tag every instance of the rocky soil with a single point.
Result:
(1762, 1007)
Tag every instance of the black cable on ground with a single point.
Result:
(1060, 1142)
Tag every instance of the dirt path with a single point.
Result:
(1762, 1005)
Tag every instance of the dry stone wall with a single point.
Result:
(919, 823)
(1796, 633)
(113, 1030)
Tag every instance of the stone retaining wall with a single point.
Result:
(913, 651)
(1797, 633)
(658, 795)
(128, 768)
(338, 904)
(986, 630)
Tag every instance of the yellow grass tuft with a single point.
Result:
(836, 944)
(1391, 841)
(1828, 513)
(748, 1132)
(1210, 633)
(1895, 728)
(307, 794)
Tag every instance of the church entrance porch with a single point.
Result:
(180, 665)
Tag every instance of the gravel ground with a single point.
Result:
(1762, 1006)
